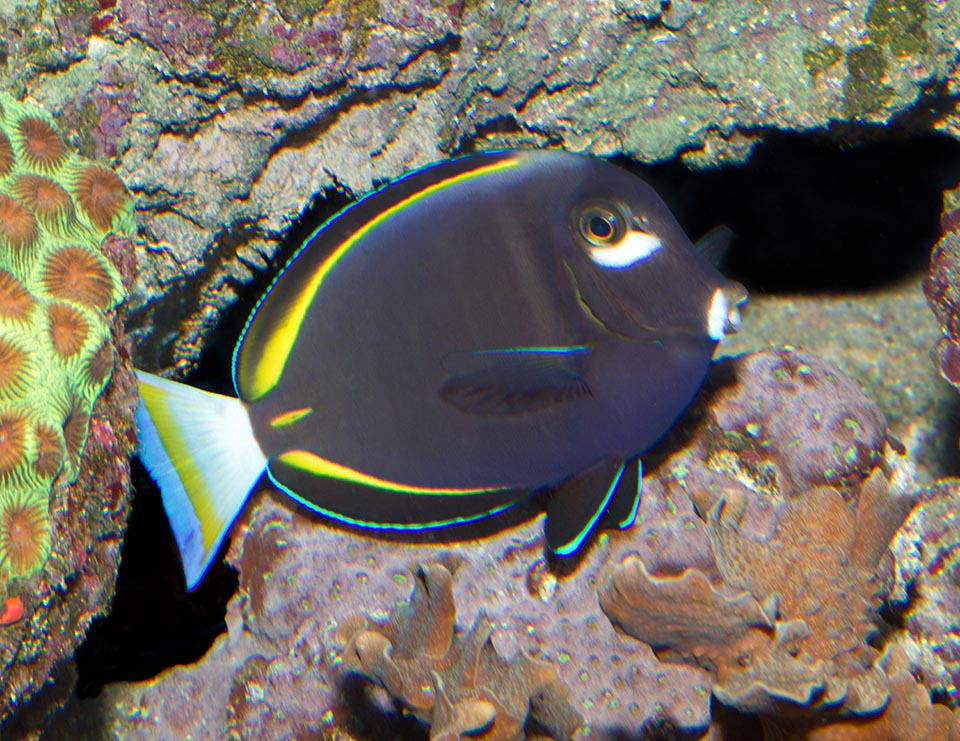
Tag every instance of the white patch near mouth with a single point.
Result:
(634, 247)
(718, 315)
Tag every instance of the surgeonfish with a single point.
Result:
(478, 330)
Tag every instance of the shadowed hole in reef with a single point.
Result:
(809, 213)
(153, 622)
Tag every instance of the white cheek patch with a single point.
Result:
(717, 315)
(634, 247)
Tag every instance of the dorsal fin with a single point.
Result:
(272, 329)
(715, 244)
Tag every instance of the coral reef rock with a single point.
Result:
(927, 550)
(65, 254)
(780, 601)
(942, 287)
(456, 682)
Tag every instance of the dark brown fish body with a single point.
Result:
(476, 331)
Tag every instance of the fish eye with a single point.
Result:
(601, 226)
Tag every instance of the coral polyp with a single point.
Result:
(77, 274)
(101, 195)
(13, 444)
(6, 155)
(68, 329)
(18, 225)
(15, 302)
(40, 145)
(48, 200)
(13, 368)
(24, 533)
(50, 451)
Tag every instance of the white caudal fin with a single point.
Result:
(200, 449)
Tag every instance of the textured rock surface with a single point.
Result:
(226, 119)
(942, 288)
(927, 560)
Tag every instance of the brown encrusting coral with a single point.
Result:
(786, 624)
(454, 680)
(782, 606)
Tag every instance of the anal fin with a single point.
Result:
(578, 503)
(625, 503)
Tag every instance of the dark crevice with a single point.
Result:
(812, 214)
(153, 622)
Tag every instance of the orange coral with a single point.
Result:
(13, 366)
(457, 682)
(13, 443)
(18, 225)
(47, 199)
(75, 432)
(7, 158)
(68, 329)
(15, 301)
(78, 274)
(50, 450)
(787, 627)
(24, 533)
(12, 611)
(101, 195)
(42, 147)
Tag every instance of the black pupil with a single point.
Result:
(601, 227)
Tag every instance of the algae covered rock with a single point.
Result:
(63, 226)
(55, 287)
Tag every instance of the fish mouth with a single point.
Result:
(723, 316)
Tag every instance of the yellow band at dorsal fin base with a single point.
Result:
(308, 462)
(270, 362)
(292, 417)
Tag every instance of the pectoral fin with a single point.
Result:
(578, 503)
(515, 381)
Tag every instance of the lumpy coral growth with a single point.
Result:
(56, 208)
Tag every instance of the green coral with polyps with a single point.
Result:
(56, 286)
